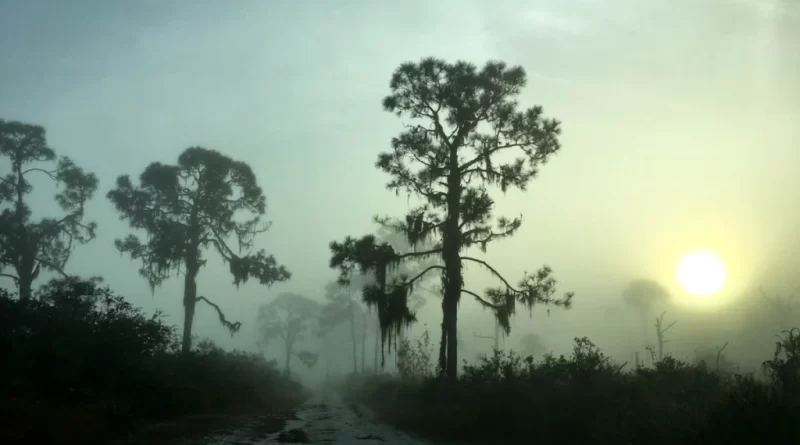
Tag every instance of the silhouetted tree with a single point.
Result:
(466, 133)
(187, 208)
(26, 245)
(288, 317)
(642, 295)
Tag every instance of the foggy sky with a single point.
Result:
(678, 121)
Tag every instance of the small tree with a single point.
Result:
(464, 140)
(186, 209)
(643, 295)
(288, 318)
(28, 246)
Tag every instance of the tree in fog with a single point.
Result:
(643, 295)
(467, 135)
(289, 318)
(197, 204)
(341, 308)
(367, 256)
(531, 344)
(381, 266)
(27, 245)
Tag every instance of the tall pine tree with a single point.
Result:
(467, 136)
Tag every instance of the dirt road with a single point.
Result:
(324, 419)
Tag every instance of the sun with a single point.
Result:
(701, 272)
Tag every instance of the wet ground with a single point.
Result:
(324, 419)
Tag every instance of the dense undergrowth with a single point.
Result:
(587, 399)
(80, 364)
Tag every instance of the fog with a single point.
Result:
(680, 131)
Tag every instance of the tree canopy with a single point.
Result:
(28, 245)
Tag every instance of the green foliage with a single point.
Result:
(26, 245)
(193, 206)
(585, 398)
(82, 363)
(390, 299)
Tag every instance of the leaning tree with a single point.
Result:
(26, 245)
(187, 208)
(467, 135)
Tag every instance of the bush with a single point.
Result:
(585, 398)
(82, 363)
(414, 359)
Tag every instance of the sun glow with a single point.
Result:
(701, 272)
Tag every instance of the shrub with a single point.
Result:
(585, 398)
(81, 363)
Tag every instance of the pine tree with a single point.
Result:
(29, 246)
(188, 208)
(468, 135)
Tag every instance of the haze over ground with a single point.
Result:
(679, 117)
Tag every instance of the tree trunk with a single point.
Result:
(25, 283)
(497, 334)
(453, 282)
(288, 358)
(452, 340)
(364, 343)
(353, 338)
(377, 345)
(24, 249)
(191, 258)
(189, 303)
(443, 346)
